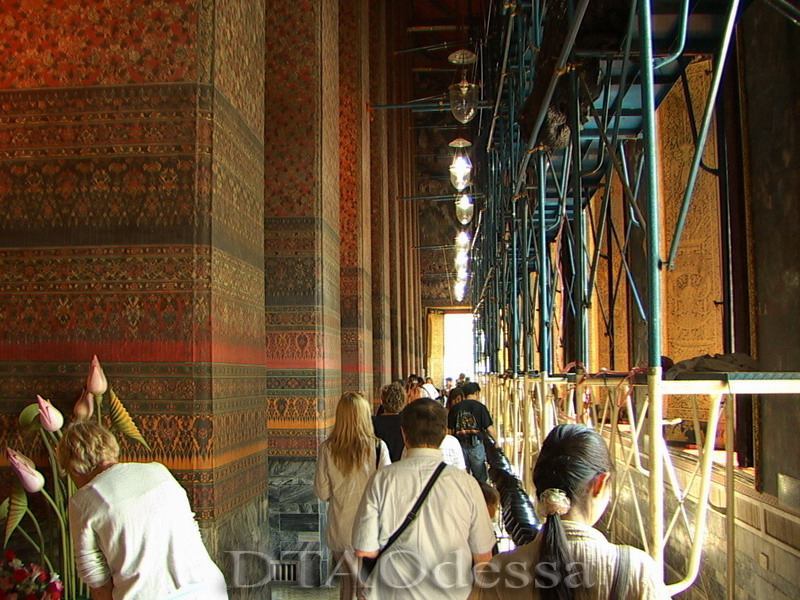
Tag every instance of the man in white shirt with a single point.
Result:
(434, 556)
(451, 452)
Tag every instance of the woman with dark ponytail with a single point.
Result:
(570, 559)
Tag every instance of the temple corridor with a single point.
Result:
(246, 208)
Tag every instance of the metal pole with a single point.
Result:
(579, 275)
(526, 287)
(656, 488)
(704, 129)
(513, 337)
(496, 111)
(545, 365)
(569, 42)
(681, 38)
(579, 272)
(730, 489)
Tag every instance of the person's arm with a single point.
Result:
(490, 430)
(480, 560)
(104, 592)
(322, 481)
(366, 528)
(385, 459)
(90, 562)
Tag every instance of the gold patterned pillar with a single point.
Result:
(379, 197)
(302, 261)
(355, 207)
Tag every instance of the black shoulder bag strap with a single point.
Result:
(368, 564)
(619, 586)
(377, 455)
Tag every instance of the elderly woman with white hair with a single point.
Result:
(132, 528)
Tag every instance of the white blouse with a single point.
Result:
(132, 525)
(343, 492)
(511, 575)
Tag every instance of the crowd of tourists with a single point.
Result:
(411, 509)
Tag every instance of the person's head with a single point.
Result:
(424, 423)
(471, 388)
(461, 376)
(448, 383)
(571, 477)
(393, 398)
(492, 498)
(85, 447)
(352, 438)
(456, 396)
(429, 380)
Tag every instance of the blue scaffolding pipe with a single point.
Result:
(581, 351)
(704, 129)
(786, 9)
(569, 42)
(506, 47)
(682, 29)
(655, 416)
(651, 185)
(545, 364)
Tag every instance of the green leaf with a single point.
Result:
(122, 420)
(4, 510)
(18, 504)
(29, 418)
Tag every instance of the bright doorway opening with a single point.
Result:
(459, 341)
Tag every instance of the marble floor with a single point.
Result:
(290, 592)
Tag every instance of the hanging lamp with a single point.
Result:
(461, 167)
(464, 208)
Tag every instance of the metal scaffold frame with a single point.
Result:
(537, 247)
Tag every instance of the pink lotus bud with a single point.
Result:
(50, 418)
(96, 383)
(31, 479)
(84, 407)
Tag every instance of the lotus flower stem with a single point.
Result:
(66, 556)
(40, 547)
(58, 483)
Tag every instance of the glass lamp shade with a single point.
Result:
(461, 172)
(462, 241)
(461, 167)
(462, 259)
(464, 101)
(461, 273)
(460, 290)
(464, 209)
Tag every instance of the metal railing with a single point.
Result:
(526, 408)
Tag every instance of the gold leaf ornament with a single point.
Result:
(121, 420)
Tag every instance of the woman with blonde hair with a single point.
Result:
(131, 524)
(346, 460)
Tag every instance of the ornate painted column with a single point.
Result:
(354, 183)
(301, 261)
(379, 196)
(131, 148)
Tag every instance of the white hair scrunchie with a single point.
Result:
(553, 501)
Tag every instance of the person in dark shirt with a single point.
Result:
(387, 423)
(467, 421)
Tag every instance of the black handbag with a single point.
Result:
(368, 564)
